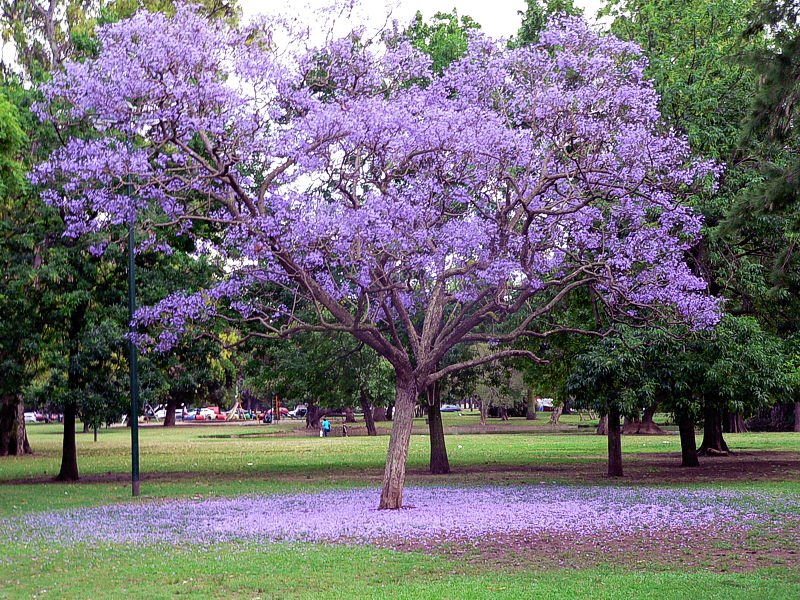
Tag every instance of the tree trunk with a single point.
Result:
(390, 411)
(484, 410)
(644, 425)
(530, 407)
(394, 475)
(602, 426)
(172, 406)
(688, 441)
(379, 413)
(85, 425)
(313, 416)
(13, 434)
(713, 442)
(614, 444)
(797, 417)
(440, 465)
(349, 416)
(69, 452)
(367, 408)
(734, 423)
(503, 413)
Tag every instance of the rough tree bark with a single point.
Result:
(713, 442)
(395, 471)
(439, 465)
(530, 407)
(688, 441)
(69, 454)
(614, 444)
(367, 408)
(13, 435)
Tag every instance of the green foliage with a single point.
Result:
(444, 38)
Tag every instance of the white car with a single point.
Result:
(30, 417)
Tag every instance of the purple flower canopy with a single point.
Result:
(353, 175)
(431, 513)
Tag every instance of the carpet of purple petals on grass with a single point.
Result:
(432, 514)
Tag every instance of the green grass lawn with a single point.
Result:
(202, 461)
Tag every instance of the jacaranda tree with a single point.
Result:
(412, 210)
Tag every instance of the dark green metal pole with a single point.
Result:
(133, 363)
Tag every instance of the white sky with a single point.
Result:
(498, 18)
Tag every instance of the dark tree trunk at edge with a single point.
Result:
(713, 442)
(69, 453)
(688, 441)
(614, 444)
(439, 465)
(394, 475)
(367, 408)
(13, 434)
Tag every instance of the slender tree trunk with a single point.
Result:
(367, 408)
(349, 416)
(390, 411)
(484, 407)
(602, 426)
(85, 426)
(172, 406)
(713, 442)
(69, 452)
(688, 441)
(530, 407)
(395, 473)
(797, 417)
(614, 444)
(440, 465)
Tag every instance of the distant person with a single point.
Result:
(326, 427)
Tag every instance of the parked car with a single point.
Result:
(284, 412)
(161, 414)
(298, 413)
(30, 417)
(451, 408)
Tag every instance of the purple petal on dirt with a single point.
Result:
(430, 513)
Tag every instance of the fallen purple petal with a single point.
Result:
(432, 513)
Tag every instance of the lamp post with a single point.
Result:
(133, 361)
